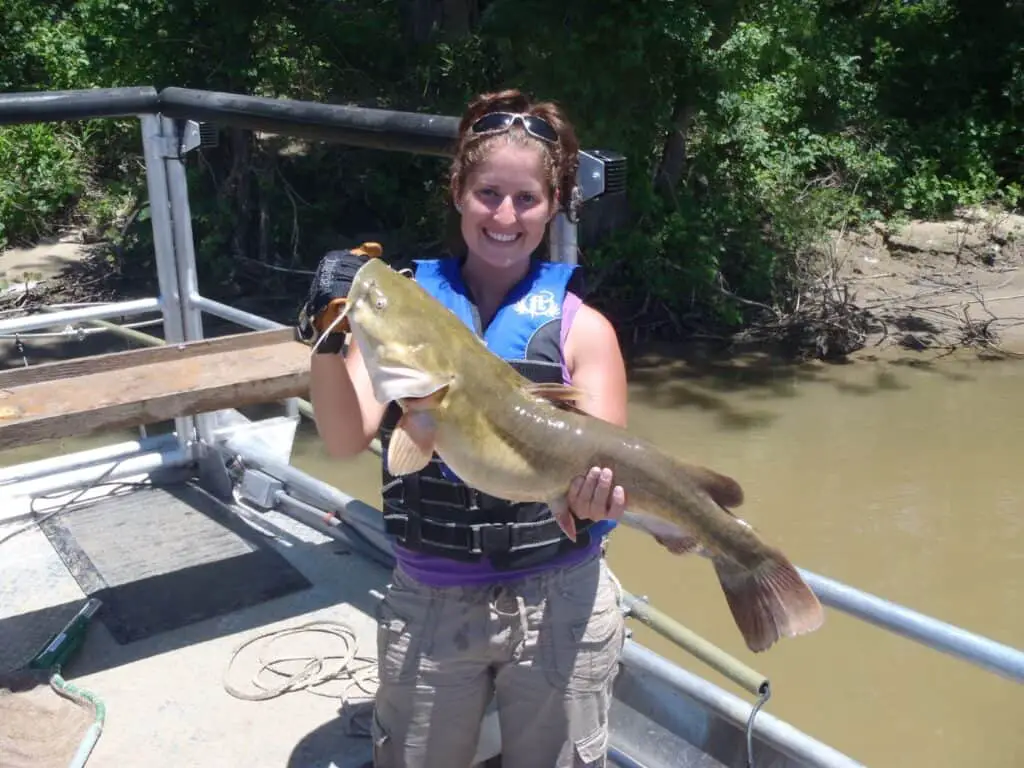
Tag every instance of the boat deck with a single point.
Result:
(164, 690)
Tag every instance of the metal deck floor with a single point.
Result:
(163, 557)
(165, 696)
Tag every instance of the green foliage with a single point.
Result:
(751, 128)
(41, 175)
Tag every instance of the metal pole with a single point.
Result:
(153, 145)
(101, 472)
(32, 469)
(562, 242)
(988, 654)
(771, 730)
(233, 315)
(304, 487)
(184, 248)
(193, 303)
(70, 316)
(729, 666)
(181, 222)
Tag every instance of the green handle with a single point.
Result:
(706, 651)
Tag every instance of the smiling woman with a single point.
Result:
(490, 597)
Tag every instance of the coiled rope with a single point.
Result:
(309, 673)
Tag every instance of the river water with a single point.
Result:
(899, 475)
(902, 476)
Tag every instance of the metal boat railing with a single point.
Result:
(169, 132)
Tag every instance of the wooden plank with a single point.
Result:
(84, 366)
(127, 389)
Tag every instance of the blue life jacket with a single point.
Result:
(432, 511)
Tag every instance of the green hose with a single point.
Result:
(78, 695)
(54, 655)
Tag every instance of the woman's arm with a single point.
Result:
(346, 412)
(594, 360)
(595, 364)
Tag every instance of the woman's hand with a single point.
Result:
(593, 497)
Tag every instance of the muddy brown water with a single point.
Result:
(899, 474)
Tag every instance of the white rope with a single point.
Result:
(308, 673)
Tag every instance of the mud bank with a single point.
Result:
(930, 285)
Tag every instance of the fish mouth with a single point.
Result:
(502, 238)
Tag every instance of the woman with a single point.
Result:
(488, 597)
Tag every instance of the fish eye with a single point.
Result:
(380, 301)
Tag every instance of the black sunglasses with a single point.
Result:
(496, 122)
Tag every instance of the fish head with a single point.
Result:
(404, 335)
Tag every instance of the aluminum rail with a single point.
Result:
(986, 653)
(30, 470)
(83, 104)
(369, 128)
(767, 728)
(87, 477)
(232, 315)
(419, 133)
(724, 663)
(68, 316)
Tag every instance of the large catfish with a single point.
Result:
(511, 438)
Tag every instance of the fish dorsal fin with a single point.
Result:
(412, 443)
(562, 395)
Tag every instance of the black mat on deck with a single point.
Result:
(163, 558)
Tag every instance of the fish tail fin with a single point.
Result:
(770, 601)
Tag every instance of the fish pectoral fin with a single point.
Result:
(560, 394)
(428, 403)
(563, 516)
(412, 443)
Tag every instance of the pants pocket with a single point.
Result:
(591, 751)
(580, 637)
(403, 623)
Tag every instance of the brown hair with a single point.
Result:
(560, 161)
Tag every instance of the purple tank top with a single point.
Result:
(442, 572)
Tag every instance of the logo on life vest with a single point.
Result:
(540, 304)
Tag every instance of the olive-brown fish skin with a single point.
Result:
(513, 439)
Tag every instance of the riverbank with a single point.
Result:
(923, 285)
(935, 285)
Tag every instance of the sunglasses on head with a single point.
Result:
(496, 122)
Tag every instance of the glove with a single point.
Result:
(329, 289)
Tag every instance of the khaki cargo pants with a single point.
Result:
(547, 646)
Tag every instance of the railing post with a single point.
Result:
(175, 149)
(153, 145)
(176, 145)
(562, 241)
(182, 140)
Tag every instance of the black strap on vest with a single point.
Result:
(461, 523)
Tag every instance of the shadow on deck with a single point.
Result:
(185, 582)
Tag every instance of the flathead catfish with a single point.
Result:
(508, 437)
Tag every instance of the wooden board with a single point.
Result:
(144, 386)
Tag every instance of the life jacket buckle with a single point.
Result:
(492, 538)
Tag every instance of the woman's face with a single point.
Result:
(506, 206)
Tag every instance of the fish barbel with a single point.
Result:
(508, 437)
